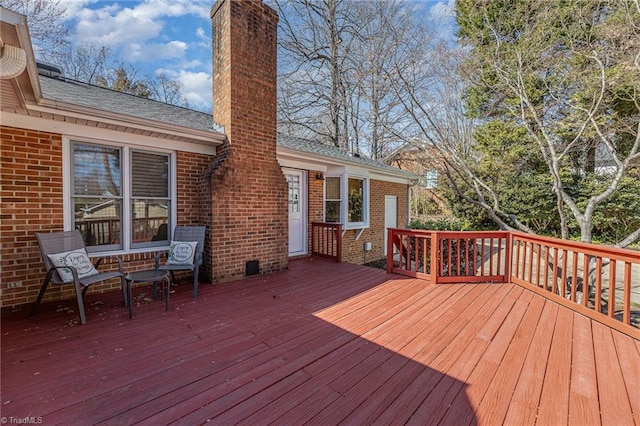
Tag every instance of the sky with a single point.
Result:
(171, 36)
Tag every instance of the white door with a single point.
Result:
(297, 211)
(390, 217)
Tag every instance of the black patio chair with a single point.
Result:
(184, 234)
(60, 247)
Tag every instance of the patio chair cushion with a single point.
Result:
(79, 259)
(181, 252)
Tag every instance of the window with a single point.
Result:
(332, 200)
(347, 197)
(121, 197)
(150, 197)
(356, 200)
(431, 179)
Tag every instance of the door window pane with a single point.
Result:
(294, 193)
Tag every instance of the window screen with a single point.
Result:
(150, 202)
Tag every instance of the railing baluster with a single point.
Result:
(612, 288)
(598, 297)
(626, 306)
(554, 290)
(585, 281)
(574, 277)
(546, 268)
(517, 265)
(564, 273)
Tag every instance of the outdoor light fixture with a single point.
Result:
(319, 176)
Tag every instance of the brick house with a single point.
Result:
(124, 170)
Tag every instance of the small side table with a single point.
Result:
(151, 275)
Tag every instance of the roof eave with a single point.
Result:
(108, 117)
(305, 155)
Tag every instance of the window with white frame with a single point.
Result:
(332, 200)
(347, 201)
(120, 196)
(431, 179)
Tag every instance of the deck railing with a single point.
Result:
(107, 231)
(594, 280)
(589, 278)
(326, 240)
(459, 257)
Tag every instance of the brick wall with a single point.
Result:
(248, 189)
(352, 249)
(31, 201)
(315, 202)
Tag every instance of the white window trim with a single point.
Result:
(344, 200)
(365, 202)
(67, 182)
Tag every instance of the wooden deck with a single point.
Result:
(322, 343)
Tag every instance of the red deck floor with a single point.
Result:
(322, 343)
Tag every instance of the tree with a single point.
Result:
(314, 41)
(568, 74)
(86, 62)
(49, 34)
(334, 84)
(124, 79)
(565, 77)
(168, 91)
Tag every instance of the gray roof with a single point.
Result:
(100, 98)
(329, 151)
(96, 97)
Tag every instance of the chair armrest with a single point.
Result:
(158, 256)
(73, 269)
(198, 259)
(116, 258)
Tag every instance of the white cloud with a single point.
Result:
(205, 39)
(442, 15)
(443, 10)
(136, 52)
(197, 87)
(141, 31)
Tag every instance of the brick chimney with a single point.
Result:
(249, 193)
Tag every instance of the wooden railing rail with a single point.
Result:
(594, 280)
(326, 240)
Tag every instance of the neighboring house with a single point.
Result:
(126, 170)
(427, 163)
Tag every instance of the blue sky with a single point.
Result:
(171, 36)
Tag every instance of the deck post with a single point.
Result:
(390, 250)
(507, 258)
(435, 254)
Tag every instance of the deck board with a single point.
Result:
(526, 396)
(322, 343)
